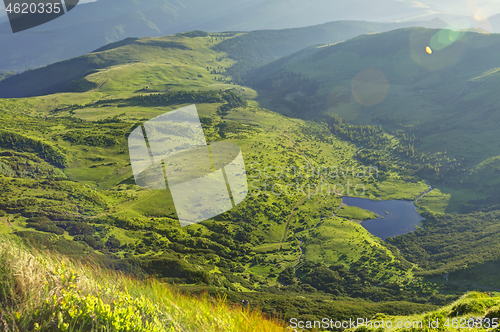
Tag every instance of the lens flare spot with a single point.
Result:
(444, 38)
(479, 16)
(446, 47)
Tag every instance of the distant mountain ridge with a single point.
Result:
(250, 50)
(262, 46)
(92, 25)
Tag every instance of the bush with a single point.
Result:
(113, 242)
(287, 277)
(36, 239)
(80, 228)
(470, 306)
(49, 228)
(82, 138)
(93, 241)
(195, 33)
(41, 220)
(68, 247)
(493, 313)
(17, 142)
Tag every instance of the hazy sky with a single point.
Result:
(470, 8)
(461, 7)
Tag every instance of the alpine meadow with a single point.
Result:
(384, 112)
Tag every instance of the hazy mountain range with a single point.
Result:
(92, 25)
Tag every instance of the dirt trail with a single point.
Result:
(6, 221)
(312, 167)
(294, 211)
(299, 152)
(423, 194)
(342, 204)
(100, 86)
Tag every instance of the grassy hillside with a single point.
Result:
(67, 185)
(66, 182)
(432, 89)
(420, 102)
(366, 80)
(90, 25)
(247, 51)
(474, 312)
(42, 291)
(257, 48)
(130, 66)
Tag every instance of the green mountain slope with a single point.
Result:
(173, 56)
(48, 292)
(89, 26)
(248, 49)
(474, 311)
(435, 86)
(426, 104)
(82, 198)
(289, 248)
(257, 48)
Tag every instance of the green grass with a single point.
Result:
(342, 241)
(415, 93)
(436, 201)
(355, 213)
(264, 143)
(47, 292)
(470, 308)
(243, 250)
(146, 65)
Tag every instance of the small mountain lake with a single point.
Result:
(401, 216)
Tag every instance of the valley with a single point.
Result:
(307, 134)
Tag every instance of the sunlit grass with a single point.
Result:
(42, 291)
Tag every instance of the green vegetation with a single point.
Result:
(66, 185)
(474, 311)
(4, 75)
(355, 213)
(435, 129)
(257, 48)
(13, 141)
(434, 247)
(95, 208)
(47, 292)
(132, 65)
(407, 117)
